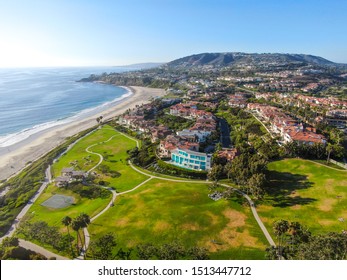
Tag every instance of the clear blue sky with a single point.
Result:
(119, 32)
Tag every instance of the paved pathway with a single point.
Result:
(271, 134)
(343, 170)
(28, 205)
(38, 249)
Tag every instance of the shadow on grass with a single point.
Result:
(282, 189)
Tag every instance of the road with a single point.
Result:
(26, 208)
(38, 249)
(225, 133)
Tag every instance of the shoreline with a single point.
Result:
(16, 156)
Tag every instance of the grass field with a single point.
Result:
(54, 216)
(162, 211)
(114, 153)
(303, 191)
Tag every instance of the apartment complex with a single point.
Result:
(191, 159)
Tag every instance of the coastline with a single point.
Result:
(15, 157)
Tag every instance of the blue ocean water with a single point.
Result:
(37, 98)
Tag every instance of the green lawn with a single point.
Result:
(309, 193)
(162, 211)
(114, 153)
(77, 156)
(53, 216)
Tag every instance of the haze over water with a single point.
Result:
(37, 98)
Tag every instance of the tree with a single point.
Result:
(280, 228)
(171, 251)
(124, 255)
(198, 253)
(10, 242)
(80, 222)
(84, 221)
(66, 221)
(146, 251)
(102, 248)
(99, 119)
(332, 246)
(256, 183)
(216, 172)
(76, 226)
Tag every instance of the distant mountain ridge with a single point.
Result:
(238, 58)
(146, 65)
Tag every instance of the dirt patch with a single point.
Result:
(342, 183)
(327, 204)
(190, 227)
(161, 226)
(122, 222)
(236, 219)
(214, 219)
(144, 191)
(326, 222)
(234, 234)
(140, 224)
(296, 207)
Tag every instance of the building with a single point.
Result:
(62, 181)
(67, 172)
(69, 175)
(199, 134)
(228, 154)
(191, 160)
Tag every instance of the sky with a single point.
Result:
(41, 33)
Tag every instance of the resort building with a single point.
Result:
(190, 159)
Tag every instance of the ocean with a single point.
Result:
(34, 99)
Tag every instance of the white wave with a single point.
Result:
(14, 138)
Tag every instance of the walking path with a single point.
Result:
(38, 249)
(343, 170)
(271, 134)
(26, 208)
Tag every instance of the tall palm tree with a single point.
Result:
(280, 228)
(66, 221)
(84, 221)
(76, 226)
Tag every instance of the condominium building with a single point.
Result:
(190, 159)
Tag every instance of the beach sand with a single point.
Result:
(14, 158)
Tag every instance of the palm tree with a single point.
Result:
(280, 228)
(66, 221)
(329, 149)
(84, 221)
(76, 226)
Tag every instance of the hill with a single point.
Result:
(140, 66)
(237, 58)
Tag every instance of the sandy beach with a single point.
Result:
(14, 158)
